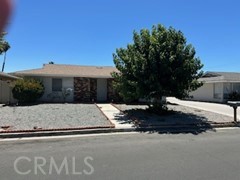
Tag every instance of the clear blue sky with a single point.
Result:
(87, 32)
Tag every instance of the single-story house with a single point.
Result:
(217, 86)
(6, 85)
(81, 83)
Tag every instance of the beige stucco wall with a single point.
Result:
(6, 92)
(206, 93)
(49, 96)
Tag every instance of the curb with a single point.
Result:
(55, 129)
(159, 129)
(53, 133)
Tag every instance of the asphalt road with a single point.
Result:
(210, 156)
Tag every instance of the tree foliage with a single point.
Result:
(28, 90)
(4, 45)
(158, 63)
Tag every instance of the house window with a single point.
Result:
(56, 84)
(227, 89)
(236, 87)
(217, 91)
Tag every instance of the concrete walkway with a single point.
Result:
(114, 115)
(212, 107)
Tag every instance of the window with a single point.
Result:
(227, 89)
(56, 84)
(217, 91)
(236, 87)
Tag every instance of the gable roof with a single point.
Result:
(61, 70)
(5, 76)
(209, 77)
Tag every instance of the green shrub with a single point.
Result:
(234, 96)
(28, 90)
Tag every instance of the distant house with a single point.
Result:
(83, 83)
(6, 83)
(217, 86)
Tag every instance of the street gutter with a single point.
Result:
(190, 128)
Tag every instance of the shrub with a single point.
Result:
(234, 96)
(28, 90)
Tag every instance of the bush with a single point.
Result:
(28, 90)
(234, 96)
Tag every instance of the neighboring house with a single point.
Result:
(88, 83)
(217, 86)
(6, 85)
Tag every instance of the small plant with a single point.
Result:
(28, 90)
(66, 92)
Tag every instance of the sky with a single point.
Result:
(87, 32)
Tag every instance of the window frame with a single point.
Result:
(54, 88)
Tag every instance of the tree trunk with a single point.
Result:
(158, 105)
(3, 65)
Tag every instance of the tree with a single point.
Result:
(4, 47)
(158, 63)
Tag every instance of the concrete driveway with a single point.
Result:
(212, 107)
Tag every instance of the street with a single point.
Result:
(210, 156)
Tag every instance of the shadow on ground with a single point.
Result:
(174, 122)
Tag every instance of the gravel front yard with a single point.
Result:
(181, 115)
(49, 116)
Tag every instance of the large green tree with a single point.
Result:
(158, 63)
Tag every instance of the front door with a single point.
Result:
(101, 89)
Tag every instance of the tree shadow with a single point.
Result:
(174, 122)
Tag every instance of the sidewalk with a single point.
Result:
(114, 115)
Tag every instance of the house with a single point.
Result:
(217, 86)
(6, 85)
(73, 83)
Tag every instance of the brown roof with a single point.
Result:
(5, 76)
(61, 70)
